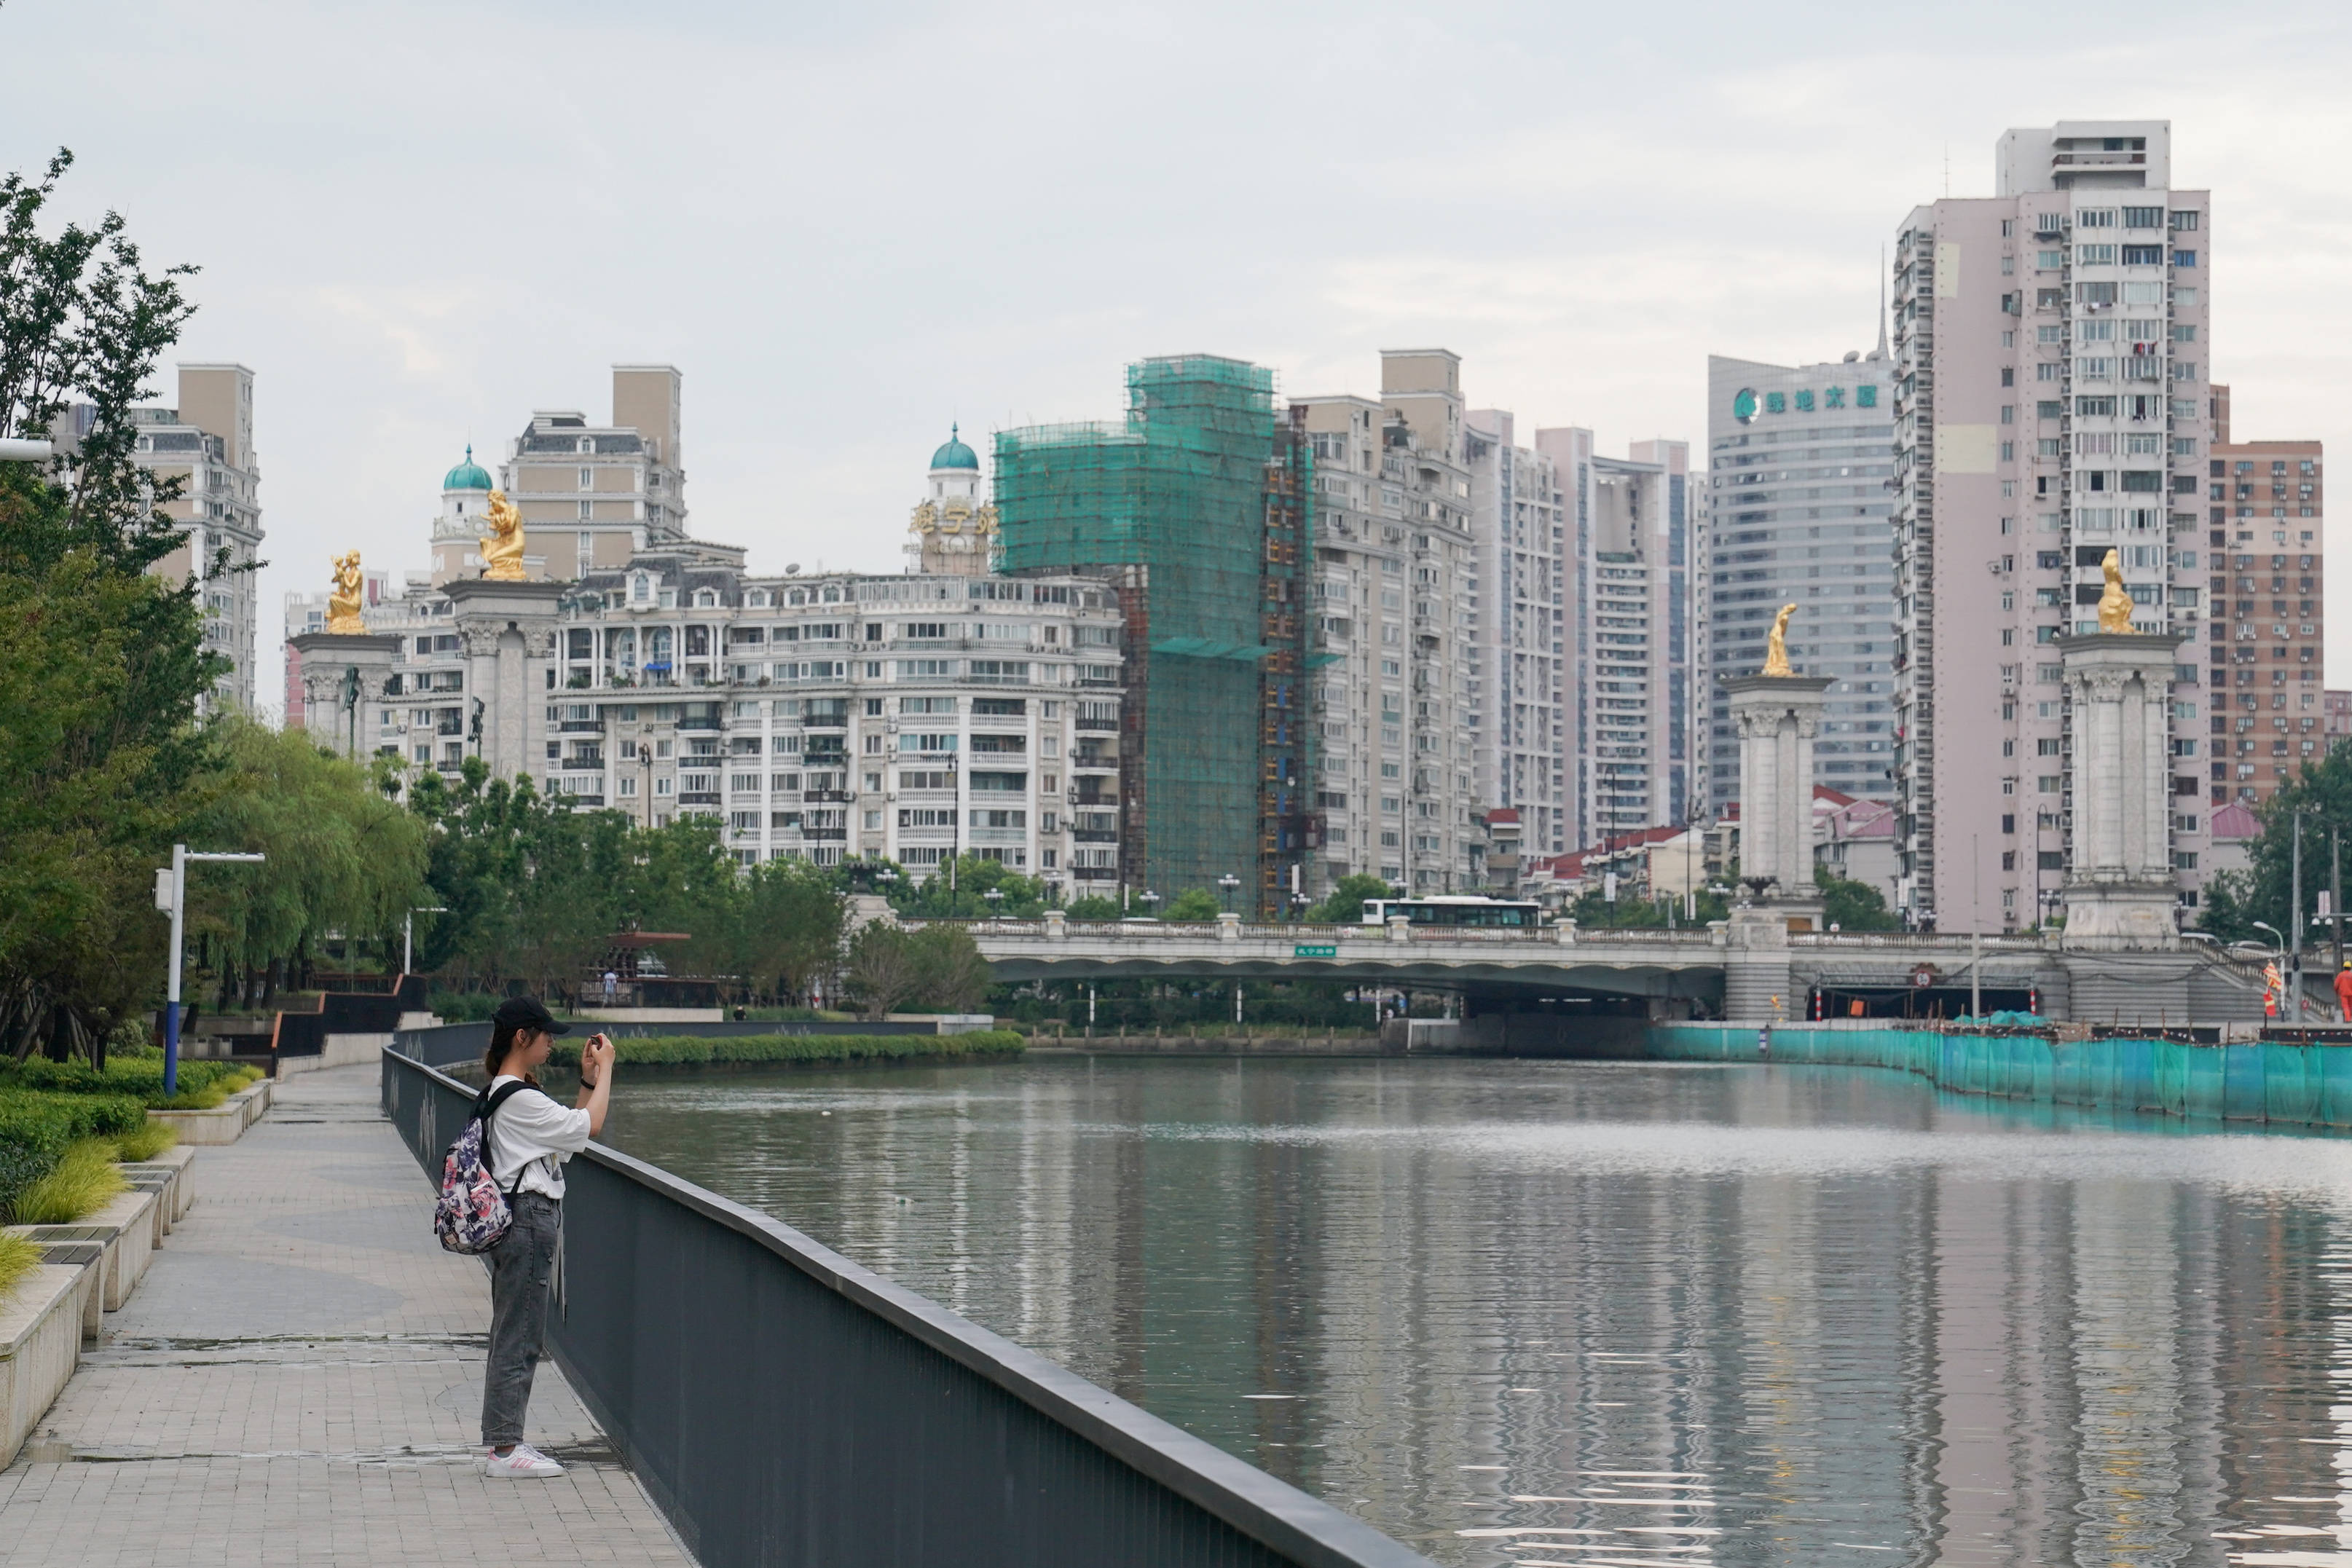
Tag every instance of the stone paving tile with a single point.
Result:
(298, 1380)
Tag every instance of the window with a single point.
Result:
(2143, 217)
(2095, 255)
(2184, 258)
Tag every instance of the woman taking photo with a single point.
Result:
(528, 1138)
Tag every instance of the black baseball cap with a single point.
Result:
(520, 1013)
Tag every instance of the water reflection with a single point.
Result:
(1621, 1314)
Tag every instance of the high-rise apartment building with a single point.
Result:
(2050, 345)
(1630, 619)
(590, 495)
(1396, 624)
(1796, 505)
(2266, 538)
(1519, 699)
(205, 442)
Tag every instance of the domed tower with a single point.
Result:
(954, 531)
(457, 530)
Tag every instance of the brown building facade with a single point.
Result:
(2266, 532)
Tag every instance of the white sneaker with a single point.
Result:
(525, 1464)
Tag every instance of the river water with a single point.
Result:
(1621, 1314)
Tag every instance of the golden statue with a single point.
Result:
(2115, 604)
(344, 599)
(1776, 652)
(502, 551)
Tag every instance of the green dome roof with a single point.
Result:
(467, 476)
(955, 454)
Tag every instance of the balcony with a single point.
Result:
(826, 797)
(580, 727)
(824, 721)
(824, 835)
(1100, 726)
(699, 797)
(710, 721)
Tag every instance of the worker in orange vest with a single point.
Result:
(2344, 991)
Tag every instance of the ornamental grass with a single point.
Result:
(83, 1181)
(18, 1257)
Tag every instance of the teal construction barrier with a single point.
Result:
(2260, 1080)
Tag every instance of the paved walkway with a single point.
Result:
(300, 1380)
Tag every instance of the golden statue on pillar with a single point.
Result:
(502, 551)
(2115, 604)
(344, 599)
(1776, 651)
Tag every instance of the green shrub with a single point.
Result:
(36, 1130)
(80, 1185)
(145, 1141)
(688, 1050)
(202, 1085)
(18, 1258)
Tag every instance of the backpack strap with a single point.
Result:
(486, 1105)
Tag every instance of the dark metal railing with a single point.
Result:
(784, 1406)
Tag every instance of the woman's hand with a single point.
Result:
(595, 1080)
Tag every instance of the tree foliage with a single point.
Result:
(1852, 905)
(340, 855)
(1194, 904)
(974, 878)
(2322, 791)
(1344, 906)
(936, 968)
(102, 666)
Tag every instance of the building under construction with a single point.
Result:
(1199, 506)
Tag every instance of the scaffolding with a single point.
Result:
(1198, 507)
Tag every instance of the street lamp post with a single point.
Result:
(1150, 904)
(408, 932)
(1226, 886)
(178, 877)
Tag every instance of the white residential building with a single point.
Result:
(1630, 622)
(1520, 702)
(1394, 598)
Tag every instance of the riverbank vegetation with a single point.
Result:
(744, 1049)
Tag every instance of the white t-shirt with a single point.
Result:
(532, 1130)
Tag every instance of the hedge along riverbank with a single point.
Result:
(36, 1130)
(752, 1050)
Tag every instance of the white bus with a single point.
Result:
(1454, 910)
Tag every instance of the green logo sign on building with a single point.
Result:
(1745, 402)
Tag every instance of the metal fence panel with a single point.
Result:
(786, 1407)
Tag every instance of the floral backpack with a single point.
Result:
(472, 1214)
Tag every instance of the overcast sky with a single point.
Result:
(849, 226)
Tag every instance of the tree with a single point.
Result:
(1852, 905)
(341, 856)
(973, 877)
(955, 977)
(1344, 906)
(883, 970)
(101, 665)
(2322, 791)
(1194, 904)
(788, 931)
(1093, 906)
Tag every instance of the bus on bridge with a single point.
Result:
(1455, 910)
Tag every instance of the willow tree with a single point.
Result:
(340, 856)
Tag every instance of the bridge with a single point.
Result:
(1731, 969)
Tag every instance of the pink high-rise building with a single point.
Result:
(2052, 350)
